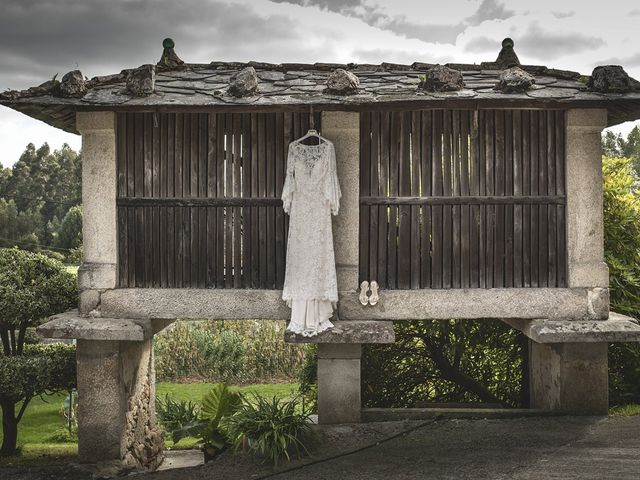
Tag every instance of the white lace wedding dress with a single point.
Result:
(310, 195)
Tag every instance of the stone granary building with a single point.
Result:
(469, 191)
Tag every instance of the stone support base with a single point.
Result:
(569, 377)
(339, 383)
(116, 404)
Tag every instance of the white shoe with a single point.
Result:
(373, 298)
(364, 287)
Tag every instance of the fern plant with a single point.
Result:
(177, 417)
(271, 428)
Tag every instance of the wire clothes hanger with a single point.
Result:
(312, 132)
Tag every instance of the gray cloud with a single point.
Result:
(634, 13)
(563, 14)
(483, 44)
(401, 25)
(490, 10)
(40, 38)
(630, 61)
(544, 45)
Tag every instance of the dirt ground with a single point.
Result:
(585, 448)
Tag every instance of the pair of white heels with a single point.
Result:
(371, 299)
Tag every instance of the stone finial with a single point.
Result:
(441, 79)
(515, 80)
(610, 79)
(342, 82)
(507, 56)
(244, 83)
(169, 59)
(73, 85)
(141, 81)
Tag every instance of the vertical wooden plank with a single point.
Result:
(228, 193)
(237, 184)
(212, 233)
(425, 190)
(262, 190)
(148, 155)
(280, 165)
(437, 210)
(533, 178)
(474, 210)
(220, 192)
(509, 209)
(121, 141)
(255, 248)
(499, 221)
(560, 154)
(465, 210)
(155, 245)
(383, 189)
(415, 164)
(270, 147)
(187, 166)
(187, 245)
(131, 154)
(365, 183)
(543, 238)
(164, 138)
(490, 224)
(374, 191)
(526, 190)
(456, 254)
(404, 211)
(394, 163)
(123, 257)
(482, 223)
(517, 191)
(178, 132)
(447, 217)
(155, 155)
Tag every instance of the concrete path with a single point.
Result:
(566, 448)
(533, 448)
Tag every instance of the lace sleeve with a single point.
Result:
(332, 187)
(289, 182)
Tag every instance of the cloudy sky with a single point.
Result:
(39, 38)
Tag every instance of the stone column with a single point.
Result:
(339, 364)
(339, 383)
(570, 377)
(116, 410)
(343, 129)
(585, 235)
(99, 224)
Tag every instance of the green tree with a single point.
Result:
(69, 234)
(616, 146)
(32, 287)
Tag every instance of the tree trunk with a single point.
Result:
(9, 427)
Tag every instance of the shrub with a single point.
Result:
(241, 351)
(177, 417)
(622, 254)
(271, 428)
(32, 287)
(308, 378)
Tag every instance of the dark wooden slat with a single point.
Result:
(526, 190)
(500, 220)
(404, 212)
(509, 190)
(383, 186)
(270, 148)
(374, 177)
(220, 190)
(415, 164)
(543, 252)
(425, 190)
(438, 200)
(262, 189)
(364, 214)
(533, 178)
(437, 211)
(237, 163)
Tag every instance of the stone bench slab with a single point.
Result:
(618, 328)
(73, 325)
(350, 331)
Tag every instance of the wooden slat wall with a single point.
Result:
(462, 199)
(199, 198)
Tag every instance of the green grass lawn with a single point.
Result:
(43, 419)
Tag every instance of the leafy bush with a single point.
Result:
(217, 405)
(308, 378)
(177, 417)
(622, 254)
(271, 428)
(242, 351)
(32, 287)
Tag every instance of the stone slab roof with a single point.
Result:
(298, 86)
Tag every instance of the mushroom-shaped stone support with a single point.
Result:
(342, 82)
(515, 80)
(442, 79)
(244, 83)
(141, 81)
(507, 56)
(610, 79)
(73, 85)
(169, 59)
